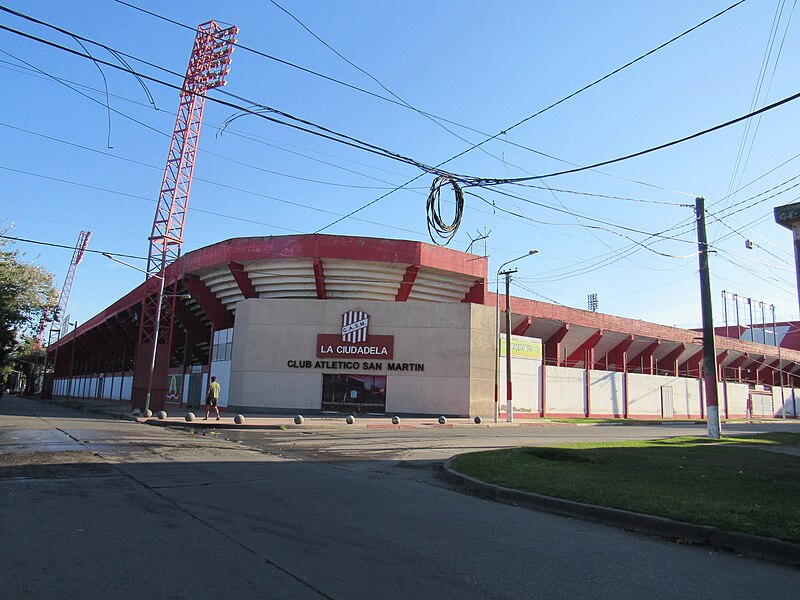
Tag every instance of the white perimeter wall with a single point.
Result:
(735, 395)
(526, 385)
(791, 398)
(566, 391)
(644, 395)
(86, 387)
(607, 394)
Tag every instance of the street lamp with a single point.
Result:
(497, 336)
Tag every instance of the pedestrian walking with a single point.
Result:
(212, 398)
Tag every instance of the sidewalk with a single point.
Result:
(176, 417)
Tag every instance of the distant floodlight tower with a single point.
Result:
(208, 65)
(788, 215)
(57, 318)
(66, 289)
(593, 304)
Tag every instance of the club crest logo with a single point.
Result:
(354, 340)
(355, 324)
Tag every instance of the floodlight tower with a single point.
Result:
(66, 289)
(208, 65)
(788, 215)
(61, 310)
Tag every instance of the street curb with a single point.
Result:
(770, 549)
(96, 410)
(213, 425)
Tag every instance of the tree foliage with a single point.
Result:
(26, 296)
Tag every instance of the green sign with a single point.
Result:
(522, 347)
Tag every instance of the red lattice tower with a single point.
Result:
(66, 290)
(208, 66)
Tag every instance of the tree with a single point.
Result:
(27, 296)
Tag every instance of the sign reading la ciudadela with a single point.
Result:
(354, 340)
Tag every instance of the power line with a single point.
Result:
(424, 167)
(757, 92)
(403, 102)
(262, 111)
(72, 247)
(612, 73)
(72, 85)
(488, 182)
(213, 213)
(324, 132)
(466, 127)
(604, 196)
(572, 213)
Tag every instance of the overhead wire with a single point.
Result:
(572, 213)
(439, 118)
(757, 91)
(481, 181)
(215, 213)
(263, 111)
(73, 85)
(66, 246)
(251, 271)
(402, 101)
(351, 141)
(611, 74)
(538, 177)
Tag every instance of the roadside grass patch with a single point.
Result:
(732, 483)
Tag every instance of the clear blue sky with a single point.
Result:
(480, 65)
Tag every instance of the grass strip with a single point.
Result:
(732, 483)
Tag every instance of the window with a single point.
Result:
(223, 345)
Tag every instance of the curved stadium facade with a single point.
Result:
(353, 324)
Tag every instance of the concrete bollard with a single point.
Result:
(298, 420)
(147, 414)
(395, 420)
(350, 419)
(189, 417)
(238, 419)
(162, 414)
(477, 420)
(136, 412)
(442, 420)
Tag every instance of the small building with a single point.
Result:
(311, 323)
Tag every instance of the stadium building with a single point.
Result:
(313, 323)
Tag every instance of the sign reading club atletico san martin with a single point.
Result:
(354, 340)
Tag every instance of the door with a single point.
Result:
(195, 391)
(667, 408)
(354, 393)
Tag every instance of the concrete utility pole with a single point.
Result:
(509, 404)
(497, 331)
(788, 215)
(709, 348)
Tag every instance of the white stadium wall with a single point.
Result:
(607, 394)
(565, 391)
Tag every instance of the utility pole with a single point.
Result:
(509, 403)
(497, 331)
(709, 349)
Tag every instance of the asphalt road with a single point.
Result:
(100, 508)
(441, 443)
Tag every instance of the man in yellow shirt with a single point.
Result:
(212, 397)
